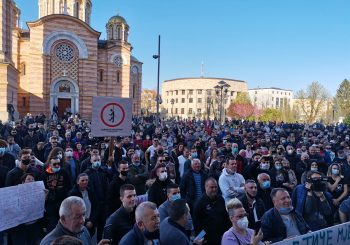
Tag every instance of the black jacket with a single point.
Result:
(259, 207)
(211, 215)
(157, 192)
(134, 237)
(188, 186)
(94, 204)
(98, 184)
(118, 224)
(274, 229)
(14, 177)
(113, 196)
(264, 195)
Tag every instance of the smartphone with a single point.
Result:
(200, 235)
(257, 226)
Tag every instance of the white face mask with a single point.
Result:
(243, 223)
(163, 176)
(59, 156)
(68, 154)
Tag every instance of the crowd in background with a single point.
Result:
(241, 182)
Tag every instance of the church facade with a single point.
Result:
(60, 61)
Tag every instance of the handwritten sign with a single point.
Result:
(111, 116)
(21, 204)
(334, 235)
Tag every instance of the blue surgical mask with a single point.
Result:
(285, 211)
(335, 171)
(194, 155)
(266, 184)
(55, 170)
(175, 197)
(96, 164)
(277, 167)
(2, 150)
(235, 150)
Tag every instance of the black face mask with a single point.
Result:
(152, 235)
(124, 173)
(26, 162)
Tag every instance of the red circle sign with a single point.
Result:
(111, 121)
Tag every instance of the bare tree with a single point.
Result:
(311, 101)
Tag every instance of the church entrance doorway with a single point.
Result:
(64, 105)
(64, 97)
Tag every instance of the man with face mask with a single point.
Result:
(146, 228)
(14, 176)
(113, 198)
(12, 147)
(138, 174)
(264, 190)
(70, 165)
(99, 184)
(57, 181)
(253, 205)
(157, 192)
(281, 221)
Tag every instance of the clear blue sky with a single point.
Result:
(286, 44)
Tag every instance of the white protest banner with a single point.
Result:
(334, 235)
(21, 204)
(111, 116)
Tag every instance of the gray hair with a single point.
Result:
(66, 205)
(141, 209)
(262, 175)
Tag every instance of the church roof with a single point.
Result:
(117, 19)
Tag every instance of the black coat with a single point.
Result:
(259, 207)
(98, 184)
(113, 195)
(94, 204)
(118, 224)
(211, 215)
(157, 192)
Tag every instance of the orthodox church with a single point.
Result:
(60, 63)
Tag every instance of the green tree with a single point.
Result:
(342, 98)
(311, 101)
(271, 114)
(347, 120)
(242, 98)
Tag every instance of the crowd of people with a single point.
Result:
(183, 182)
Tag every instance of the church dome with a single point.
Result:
(117, 19)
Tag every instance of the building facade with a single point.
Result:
(149, 101)
(271, 98)
(196, 97)
(60, 61)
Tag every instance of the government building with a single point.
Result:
(60, 63)
(199, 97)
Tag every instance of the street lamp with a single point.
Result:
(221, 91)
(172, 106)
(157, 56)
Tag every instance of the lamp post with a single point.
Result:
(221, 92)
(172, 106)
(157, 56)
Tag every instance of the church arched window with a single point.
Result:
(64, 88)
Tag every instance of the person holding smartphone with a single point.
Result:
(239, 233)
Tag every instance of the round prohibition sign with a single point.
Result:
(109, 115)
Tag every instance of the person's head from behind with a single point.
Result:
(281, 200)
(67, 240)
(72, 214)
(211, 187)
(173, 192)
(147, 219)
(179, 212)
(128, 196)
(237, 214)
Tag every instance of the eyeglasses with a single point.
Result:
(55, 164)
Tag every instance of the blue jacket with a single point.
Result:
(274, 229)
(134, 236)
(299, 198)
(172, 233)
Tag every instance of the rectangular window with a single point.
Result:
(24, 104)
(101, 75)
(200, 91)
(232, 93)
(209, 92)
(183, 100)
(190, 100)
(175, 110)
(190, 111)
(171, 92)
(183, 92)
(199, 100)
(118, 76)
(190, 92)
(199, 110)
(277, 102)
(182, 110)
(176, 100)
(176, 92)
(272, 98)
(167, 93)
